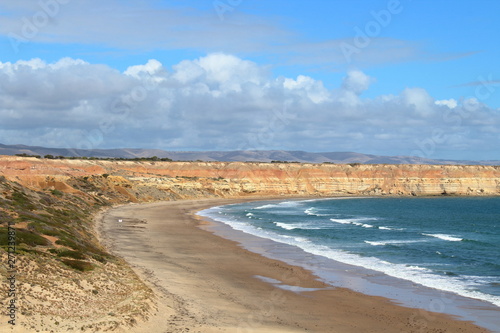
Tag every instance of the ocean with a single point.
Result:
(449, 245)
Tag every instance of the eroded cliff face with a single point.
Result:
(149, 181)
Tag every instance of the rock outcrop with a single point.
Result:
(150, 181)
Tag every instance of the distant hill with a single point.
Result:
(238, 155)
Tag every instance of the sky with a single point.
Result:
(392, 77)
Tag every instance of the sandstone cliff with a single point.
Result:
(148, 181)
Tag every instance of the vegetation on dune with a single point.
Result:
(80, 265)
(71, 254)
(26, 237)
(51, 222)
(60, 262)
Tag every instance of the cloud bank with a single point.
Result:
(223, 102)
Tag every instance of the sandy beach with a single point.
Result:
(205, 283)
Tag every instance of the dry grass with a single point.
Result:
(65, 280)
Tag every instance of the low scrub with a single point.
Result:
(71, 254)
(22, 237)
(82, 266)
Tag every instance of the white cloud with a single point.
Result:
(450, 103)
(307, 87)
(223, 102)
(152, 67)
(419, 100)
(223, 72)
(357, 81)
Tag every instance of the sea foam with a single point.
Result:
(285, 225)
(393, 242)
(445, 237)
(281, 204)
(312, 211)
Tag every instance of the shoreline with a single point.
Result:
(212, 284)
(361, 279)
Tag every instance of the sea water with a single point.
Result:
(451, 244)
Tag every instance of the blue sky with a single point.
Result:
(392, 77)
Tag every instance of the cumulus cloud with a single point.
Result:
(308, 88)
(450, 103)
(151, 68)
(357, 82)
(223, 102)
(419, 101)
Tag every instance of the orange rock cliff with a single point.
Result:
(150, 181)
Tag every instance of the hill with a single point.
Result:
(235, 156)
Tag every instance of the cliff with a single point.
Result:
(149, 181)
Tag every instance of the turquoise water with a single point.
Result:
(450, 244)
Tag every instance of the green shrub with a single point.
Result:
(23, 236)
(5, 218)
(31, 238)
(44, 229)
(25, 250)
(53, 233)
(21, 200)
(57, 193)
(27, 216)
(79, 265)
(99, 258)
(71, 254)
(82, 248)
(69, 243)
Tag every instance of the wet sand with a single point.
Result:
(205, 283)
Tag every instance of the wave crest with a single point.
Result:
(445, 237)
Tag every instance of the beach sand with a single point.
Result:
(205, 283)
